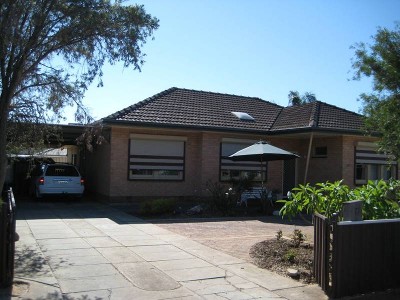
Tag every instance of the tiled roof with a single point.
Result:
(318, 115)
(198, 109)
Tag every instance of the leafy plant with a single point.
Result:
(290, 256)
(279, 235)
(298, 237)
(325, 198)
(380, 199)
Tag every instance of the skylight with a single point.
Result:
(243, 116)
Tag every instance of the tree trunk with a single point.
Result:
(4, 105)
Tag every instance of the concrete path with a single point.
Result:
(92, 251)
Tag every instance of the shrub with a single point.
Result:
(380, 199)
(298, 237)
(157, 207)
(325, 198)
(290, 256)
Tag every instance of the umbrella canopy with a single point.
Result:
(262, 151)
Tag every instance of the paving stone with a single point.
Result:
(310, 292)
(200, 273)
(214, 297)
(59, 244)
(215, 257)
(74, 271)
(139, 294)
(119, 255)
(88, 295)
(154, 249)
(190, 263)
(160, 256)
(209, 286)
(66, 261)
(71, 252)
(99, 242)
(260, 293)
(145, 276)
(30, 261)
(151, 229)
(123, 230)
(55, 235)
(262, 277)
(72, 285)
(89, 232)
(188, 244)
(235, 295)
(130, 241)
(38, 290)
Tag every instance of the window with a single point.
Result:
(320, 151)
(238, 169)
(156, 158)
(372, 165)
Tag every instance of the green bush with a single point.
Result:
(380, 199)
(158, 207)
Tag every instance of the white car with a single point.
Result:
(57, 179)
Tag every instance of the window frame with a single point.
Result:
(244, 166)
(315, 155)
(366, 154)
(166, 162)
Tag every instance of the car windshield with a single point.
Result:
(61, 171)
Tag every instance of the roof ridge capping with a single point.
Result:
(140, 103)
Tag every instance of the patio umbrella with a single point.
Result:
(262, 152)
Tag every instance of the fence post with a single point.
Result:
(335, 258)
(7, 238)
(321, 251)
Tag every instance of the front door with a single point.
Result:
(289, 176)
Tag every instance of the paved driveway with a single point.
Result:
(75, 250)
(235, 236)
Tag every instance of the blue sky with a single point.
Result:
(258, 48)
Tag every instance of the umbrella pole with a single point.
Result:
(261, 174)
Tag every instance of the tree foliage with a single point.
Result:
(381, 62)
(296, 99)
(52, 50)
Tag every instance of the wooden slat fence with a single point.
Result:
(366, 257)
(363, 257)
(322, 238)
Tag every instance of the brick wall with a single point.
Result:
(108, 167)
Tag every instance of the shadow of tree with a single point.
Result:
(59, 296)
(29, 260)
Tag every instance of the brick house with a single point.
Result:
(174, 142)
